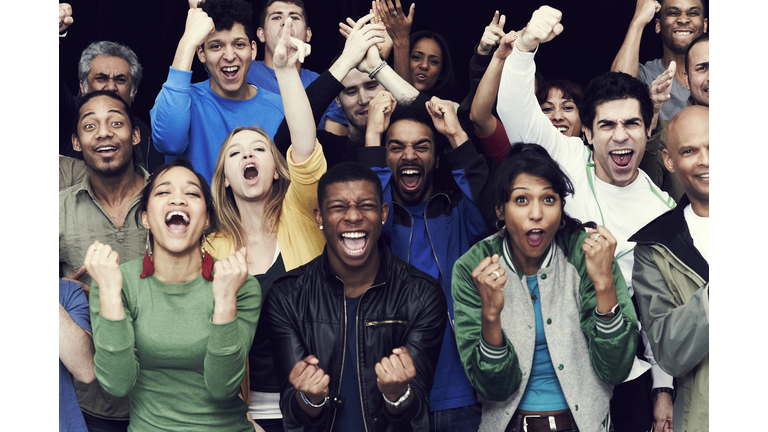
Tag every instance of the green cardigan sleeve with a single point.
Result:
(492, 379)
(612, 344)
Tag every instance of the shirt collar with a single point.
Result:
(546, 258)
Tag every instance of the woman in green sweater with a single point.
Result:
(172, 331)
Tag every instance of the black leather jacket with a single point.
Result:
(306, 312)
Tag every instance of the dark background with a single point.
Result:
(593, 33)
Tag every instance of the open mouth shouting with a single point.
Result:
(535, 236)
(410, 178)
(354, 242)
(230, 72)
(622, 158)
(251, 173)
(177, 221)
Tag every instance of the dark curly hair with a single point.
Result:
(225, 13)
(613, 86)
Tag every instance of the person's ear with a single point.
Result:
(318, 218)
(254, 50)
(309, 34)
(384, 213)
(133, 93)
(82, 88)
(144, 220)
(657, 27)
(338, 102)
(136, 135)
(668, 161)
(76, 143)
(260, 35)
(706, 23)
(201, 54)
(588, 134)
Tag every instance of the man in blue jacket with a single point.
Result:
(428, 227)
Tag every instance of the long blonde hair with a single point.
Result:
(224, 201)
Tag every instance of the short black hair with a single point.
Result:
(299, 3)
(346, 172)
(613, 86)
(213, 221)
(225, 13)
(110, 94)
(569, 89)
(704, 37)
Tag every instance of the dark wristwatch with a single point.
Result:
(658, 390)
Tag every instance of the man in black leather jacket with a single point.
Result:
(356, 333)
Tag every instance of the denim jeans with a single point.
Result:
(463, 419)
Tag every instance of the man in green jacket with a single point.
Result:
(671, 272)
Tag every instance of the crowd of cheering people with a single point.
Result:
(352, 250)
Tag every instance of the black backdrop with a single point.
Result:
(593, 32)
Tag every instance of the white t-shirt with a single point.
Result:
(699, 228)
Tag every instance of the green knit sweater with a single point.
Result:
(180, 371)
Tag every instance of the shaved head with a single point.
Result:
(687, 154)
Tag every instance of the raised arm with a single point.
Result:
(171, 114)
(628, 58)
(399, 28)
(236, 307)
(115, 362)
(400, 89)
(296, 106)
(487, 91)
(517, 106)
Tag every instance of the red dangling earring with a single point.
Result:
(147, 266)
(207, 265)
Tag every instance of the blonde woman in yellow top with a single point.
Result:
(266, 204)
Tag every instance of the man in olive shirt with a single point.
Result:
(102, 207)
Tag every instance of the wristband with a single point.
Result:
(306, 401)
(377, 69)
(400, 402)
(658, 390)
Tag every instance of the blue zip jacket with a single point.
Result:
(454, 223)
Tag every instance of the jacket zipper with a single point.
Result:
(439, 269)
(373, 323)
(357, 357)
(343, 354)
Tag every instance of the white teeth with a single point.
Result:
(562, 129)
(621, 152)
(230, 69)
(410, 171)
(536, 231)
(353, 235)
(704, 176)
(177, 213)
(106, 149)
(250, 166)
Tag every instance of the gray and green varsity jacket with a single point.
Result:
(590, 356)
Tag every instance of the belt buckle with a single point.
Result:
(525, 423)
(552, 424)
